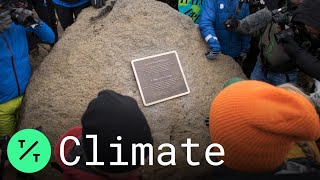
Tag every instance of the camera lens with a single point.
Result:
(22, 19)
(283, 35)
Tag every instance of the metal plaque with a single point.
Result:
(160, 78)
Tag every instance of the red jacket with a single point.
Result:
(71, 173)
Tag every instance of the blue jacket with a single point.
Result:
(15, 70)
(214, 14)
(68, 5)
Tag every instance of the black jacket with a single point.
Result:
(308, 14)
(305, 61)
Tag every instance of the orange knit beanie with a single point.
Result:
(257, 124)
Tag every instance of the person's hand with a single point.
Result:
(211, 55)
(23, 11)
(5, 20)
(243, 56)
(232, 24)
(290, 46)
(98, 3)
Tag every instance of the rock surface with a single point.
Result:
(38, 56)
(92, 56)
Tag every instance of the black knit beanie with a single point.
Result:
(111, 115)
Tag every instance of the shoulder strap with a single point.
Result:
(308, 151)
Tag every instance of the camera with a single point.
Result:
(23, 19)
(294, 30)
(280, 16)
(19, 17)
(299, 34)
(285, 34)
(289, 27)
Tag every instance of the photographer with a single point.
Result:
(213, 16)
(15, 70)
(68, 10)
(307, 59)
(46, 12)
(274, 66)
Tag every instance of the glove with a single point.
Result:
(212, 55)
(5, 20)
(240, 59)
(206, 121)
(290, 46)
(243, 56)
(232, 24)
(23, 11)
(98, 3)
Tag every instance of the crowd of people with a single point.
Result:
(270, 107)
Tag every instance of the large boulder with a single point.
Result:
(95, 54)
